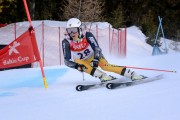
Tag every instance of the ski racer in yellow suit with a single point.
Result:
(83, 53)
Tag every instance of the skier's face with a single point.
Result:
(73, 33)
(75, 36)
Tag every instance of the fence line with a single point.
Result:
(49, 38)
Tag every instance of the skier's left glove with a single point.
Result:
(94, 63)
(80, 67)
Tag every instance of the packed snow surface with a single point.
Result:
(23, 96)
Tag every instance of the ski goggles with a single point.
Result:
(72, 30)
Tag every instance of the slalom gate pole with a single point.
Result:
(43, 75)
(35, 46)
(27, 12)
(174, 71)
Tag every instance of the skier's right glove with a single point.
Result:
(80, 67)
(94, 63)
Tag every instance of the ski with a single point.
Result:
(118, 83)
(113, 85)
(86, 87)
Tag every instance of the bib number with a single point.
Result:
(84, 53)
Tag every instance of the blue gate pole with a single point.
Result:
(156, 50)
(160, 21)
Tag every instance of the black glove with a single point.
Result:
(94, 63)
(80, 67)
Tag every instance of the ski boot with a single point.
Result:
(132, 75)
(103, 76)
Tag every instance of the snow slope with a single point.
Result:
(23, 97)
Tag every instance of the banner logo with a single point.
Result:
(13, 48)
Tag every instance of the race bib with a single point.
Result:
(81, 50)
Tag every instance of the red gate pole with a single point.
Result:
(35, 47)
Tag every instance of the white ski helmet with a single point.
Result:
(74, 23)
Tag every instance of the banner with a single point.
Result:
(18, 52)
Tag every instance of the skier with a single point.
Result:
(87, 54)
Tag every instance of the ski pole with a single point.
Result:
(174, 71)
(83, 76)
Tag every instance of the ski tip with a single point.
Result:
(109, 85)
(79, 87)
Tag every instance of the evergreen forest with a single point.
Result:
(119, 13)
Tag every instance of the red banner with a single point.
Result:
(19, 52)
